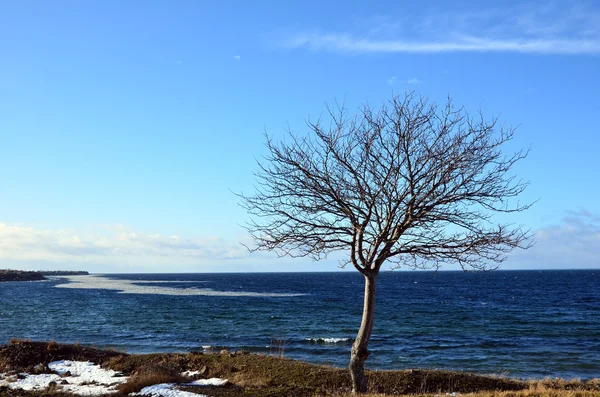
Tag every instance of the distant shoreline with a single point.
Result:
(22, 275)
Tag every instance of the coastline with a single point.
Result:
(245, 374)
(19, 275)
(7, 275)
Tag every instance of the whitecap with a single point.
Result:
(329, 340)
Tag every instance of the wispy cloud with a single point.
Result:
(573, 242)
(347, 43)
(394, 81)
(237, 57)
(111, 245)
(560, 28)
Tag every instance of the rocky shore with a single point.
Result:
(21, 275)
(18, 275)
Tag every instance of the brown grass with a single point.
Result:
(542, 388)
(523, 393)
(25, 354)
(151, 375)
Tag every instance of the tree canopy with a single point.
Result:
(411, 183)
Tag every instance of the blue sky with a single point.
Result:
(124, 126)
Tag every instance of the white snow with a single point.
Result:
(31, 382)
(132, 287)
(209, 382)
(85, 372)
(87, 379)
(165, 390)
(170, 389)
(89, 390)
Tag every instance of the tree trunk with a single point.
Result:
(360, 346)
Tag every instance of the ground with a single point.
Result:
(253, 375)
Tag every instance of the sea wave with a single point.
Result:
(133, 287)
(329, 341)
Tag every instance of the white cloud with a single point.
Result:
(559, 28)
(394, 80)
(346, 43)
(572, 243)
(111, 245)
(237, 57)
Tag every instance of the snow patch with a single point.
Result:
(31, 382)
(190, 373)
(88, 379)
(85, 379)
(86, 372)
(171, 390)
(209, 382)
(165, 390)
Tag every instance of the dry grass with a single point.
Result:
(151, 375)
(543, 388)
(524, 393)
(25, 354)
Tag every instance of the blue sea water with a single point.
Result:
(527, 324)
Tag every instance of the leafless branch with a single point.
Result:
(411, 183)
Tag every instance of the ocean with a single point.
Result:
(525, 324)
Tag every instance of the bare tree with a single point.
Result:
(411, 184)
